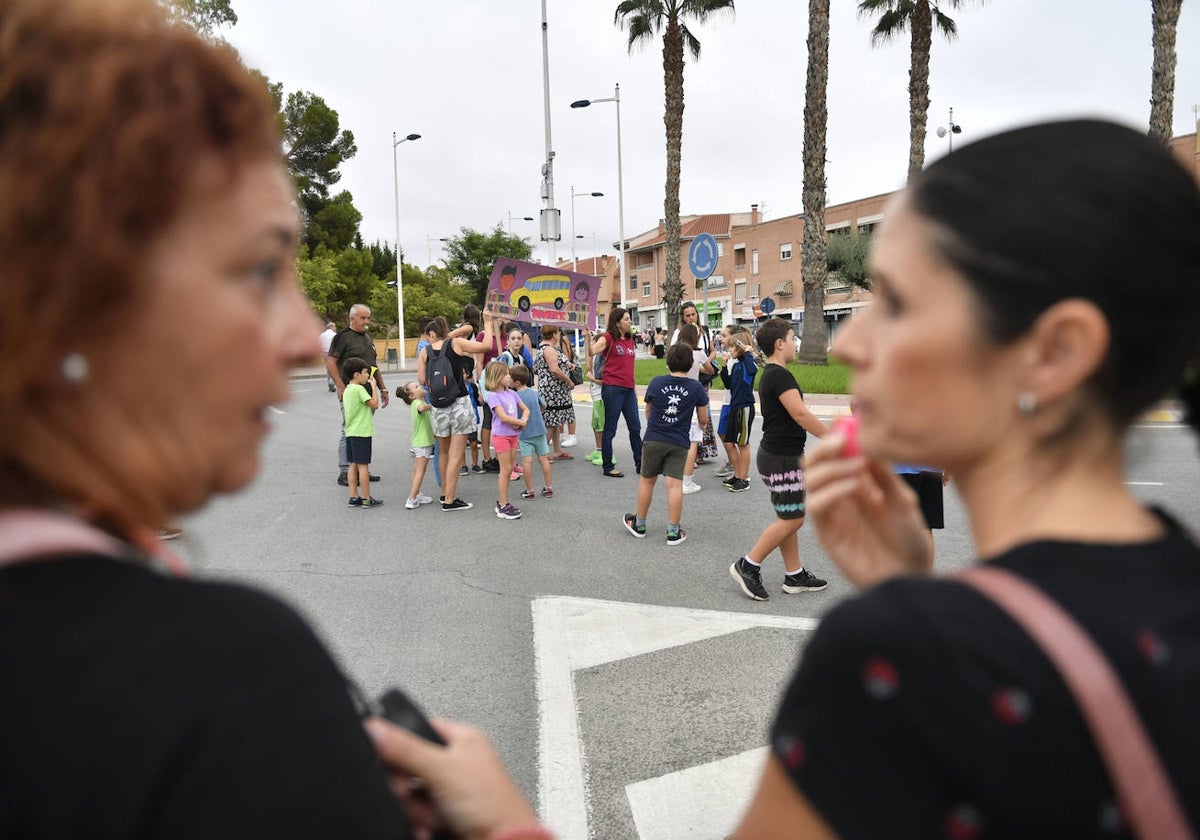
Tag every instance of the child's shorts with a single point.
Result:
(422, 451)
(785, 480)
(487, 416)
(597, 409)
(472, 437)
(505, 443)
(662, 458)
(358, 450)
(741, 421)
(722, 422)
(535, 445)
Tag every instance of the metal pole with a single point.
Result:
(549, 167)
(620, 196)
(950, 131)
(399, 264)
(574, 264)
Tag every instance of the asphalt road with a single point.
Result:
(648, 680)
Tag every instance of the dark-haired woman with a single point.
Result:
(1013, 338)
(617, 347)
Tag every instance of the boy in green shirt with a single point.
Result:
(422, 440)
(360, 405)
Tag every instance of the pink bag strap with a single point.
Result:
(31, 534)
(1142, 785)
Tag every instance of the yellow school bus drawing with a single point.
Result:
(542, 291)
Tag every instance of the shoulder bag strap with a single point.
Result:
(1141, 782)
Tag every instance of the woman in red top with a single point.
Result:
(617, 391)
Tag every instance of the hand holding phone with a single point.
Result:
(395, 707)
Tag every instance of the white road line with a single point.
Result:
(277, 410)
(1144, 483)
(705, 801)
(574, 633)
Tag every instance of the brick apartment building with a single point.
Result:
(757, 259)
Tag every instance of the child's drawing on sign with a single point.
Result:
(536, 294)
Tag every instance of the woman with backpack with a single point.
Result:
(441, 368)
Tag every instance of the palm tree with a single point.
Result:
(813, 268)
(1165, 15)
(919, 17)
(644, 19)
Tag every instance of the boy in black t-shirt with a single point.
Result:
(670, 401)
(786, 424)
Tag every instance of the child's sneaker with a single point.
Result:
(676, 537)
(749, 579)
(411, 504)
(568, 441)
(457, 504)
(597, 457)
(738, 485)
(475, 468)
(548, 492)
(355, 501)
(372, 502)
(690, 487)
(802, 581)
(423, 499)
(725, 471)
(518, 469)
(507, 511)
(465, 471)
(528, 494)
(632, 527)
(729, 480)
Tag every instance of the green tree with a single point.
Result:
(644, 19)
(335, 280)
(335, 224)
(846, 255)
(204, 16)
(471, 254)
(1165, 17)
(814, 270)
(427, 294)
(918, 17)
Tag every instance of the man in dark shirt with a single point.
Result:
(353, 342)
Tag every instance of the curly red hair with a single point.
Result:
(107, 113)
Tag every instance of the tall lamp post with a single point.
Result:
(399, 256)
(616, 97)
(518, 218)
(429, 240)
(574, 262)
(950, 130)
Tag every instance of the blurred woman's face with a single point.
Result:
(690, 315)
(208, 354)
(930, 387)
(626, 323)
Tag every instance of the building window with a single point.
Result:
(739, 293)
(754, 291)
(785, 251)
(633, 282)
(754, 261)
(739, 258)
(645, 290)
(720, 249)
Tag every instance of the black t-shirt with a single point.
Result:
(138, 705)
(348, 344)
(781, 434)
(921, 710)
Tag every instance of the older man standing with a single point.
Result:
(352, 342)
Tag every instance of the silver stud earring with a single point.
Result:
(74, 368)
(1027, 403)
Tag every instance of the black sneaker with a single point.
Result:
(464, 471)
(729, 479)
(803, 581)
(631, 526)
(491, 465)
(677, 537)
(372, 502)
(475, 468)
(344, 480)
(374, 478)
(738, 485)
(457, 504)
(749, 578)
(355, 501)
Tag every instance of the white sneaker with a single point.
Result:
(689, 489)
(412, 504)
(424, 500)
(568, 440)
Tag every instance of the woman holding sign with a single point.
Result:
(618, 349)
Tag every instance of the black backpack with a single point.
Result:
(443, 387)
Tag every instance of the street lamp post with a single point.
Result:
(429, 240)
(950, 130)
(616, 97)
(399, 256)
(518, 218)
(574, 263)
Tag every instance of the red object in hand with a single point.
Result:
(848, 426)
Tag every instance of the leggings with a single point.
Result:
(618, 401)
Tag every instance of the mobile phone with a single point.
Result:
(394, 706)
(848, 426)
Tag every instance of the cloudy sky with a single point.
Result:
(467, 75)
